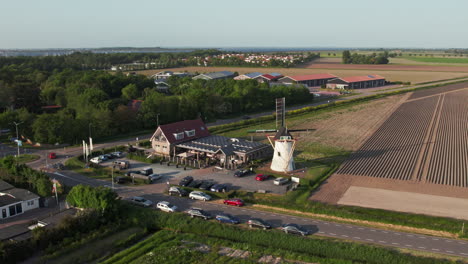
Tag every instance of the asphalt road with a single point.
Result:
(329, 229)
(317, 227)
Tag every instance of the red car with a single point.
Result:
(52, 155)
(261, 177)
(234, 201)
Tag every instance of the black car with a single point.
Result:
(186, 181)
(219, 187)
(241, 173)
(255, 222)
(295, 229)
(197, 212)
(195, 184)
(177, 191)
(206, 185)
(129, 173)
(120, 179)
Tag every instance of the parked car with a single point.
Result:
(195, 184)
(255, 222)
(241, 173)
(295, 229)
(166, 207)
(219, 187)
(197, 212)
(129, 173)
(280, 181)
(122, 164)
(186, 181)
(117, 154)
(206, 185)
(262, 177)
(227, 218)
(120, 179)
(154, 177)
(96, 160)
(196, 195)
(234, 201)
(146, 171)
(103, 157)
(141, 201)
(173, 190)
(108, 156)
(52, 155)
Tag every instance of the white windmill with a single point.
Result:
(283, 146)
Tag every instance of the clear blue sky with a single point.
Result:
(240, 23)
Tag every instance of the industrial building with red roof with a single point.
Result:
(310, 80)
(356, 82)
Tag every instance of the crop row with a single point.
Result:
(449, 161)
(392, 151)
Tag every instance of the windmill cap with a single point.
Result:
(283, 132)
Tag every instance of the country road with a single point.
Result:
(349, 232)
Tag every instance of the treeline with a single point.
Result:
(96, 61)
(95, 102)
(374, 58)
(21, 176)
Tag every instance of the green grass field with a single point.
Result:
(438, 60)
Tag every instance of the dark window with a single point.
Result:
(4, 213)
(12, 210)
(19, 208)
(279, 154)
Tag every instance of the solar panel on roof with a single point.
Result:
(370, 76)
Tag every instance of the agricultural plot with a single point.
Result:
(424, 140)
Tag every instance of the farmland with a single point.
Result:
(423, 140)
(438, 60)
(410, 73)
(419, 151)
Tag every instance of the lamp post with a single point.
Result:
(112, 175)
(90, 129)
(17, 136)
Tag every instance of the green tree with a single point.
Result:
(130, 92)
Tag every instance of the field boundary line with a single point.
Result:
(414, 174)
(431, 143)
(443, 93)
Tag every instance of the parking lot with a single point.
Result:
(173, 175)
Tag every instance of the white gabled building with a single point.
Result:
(15, 201)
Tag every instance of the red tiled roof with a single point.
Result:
(308, 77)
(270, 77)
(362, 78)
(170, 129)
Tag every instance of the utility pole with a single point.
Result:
(17, 136)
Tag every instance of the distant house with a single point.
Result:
(247, 76)
(162, 85)
(15, 201)
(167, 74)
(356, 82)
(269, 77)
(310, 80)
(215, 75)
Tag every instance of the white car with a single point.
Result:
(96, 160)
(166, 207)
(196, 195)
(141, 201)
(280, 181)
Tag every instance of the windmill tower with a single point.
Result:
(282, 143)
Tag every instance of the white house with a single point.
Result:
(15, 201)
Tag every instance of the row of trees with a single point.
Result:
(21, 176)
(374, 58)
(96, 102)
